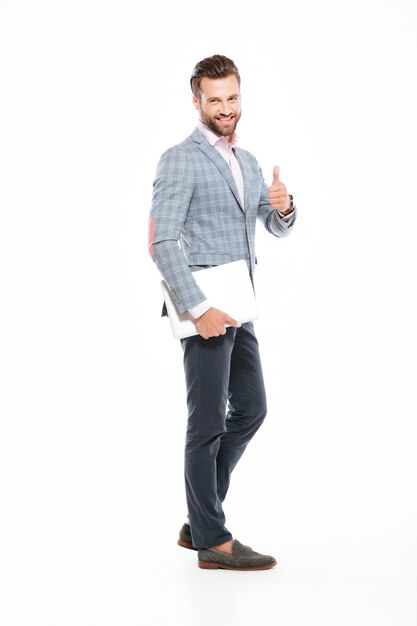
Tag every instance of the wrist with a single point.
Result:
(289, 208)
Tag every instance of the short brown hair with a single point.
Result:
(217, 66)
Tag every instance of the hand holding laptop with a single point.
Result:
(213, 323)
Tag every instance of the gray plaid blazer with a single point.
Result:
(197, 219)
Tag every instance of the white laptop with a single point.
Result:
(227, 287)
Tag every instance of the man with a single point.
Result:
(208, 194)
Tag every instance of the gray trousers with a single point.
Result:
(226, 405)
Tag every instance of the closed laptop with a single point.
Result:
(227, 287)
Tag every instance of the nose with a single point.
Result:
(225, 109)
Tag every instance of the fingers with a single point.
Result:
(212, 323)
(278, 193)
(221, 330)
(232, 322)
(212, 333)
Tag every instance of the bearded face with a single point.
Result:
(219, 104)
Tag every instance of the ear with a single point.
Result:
(196, 103)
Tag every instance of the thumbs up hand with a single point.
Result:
(277, 193)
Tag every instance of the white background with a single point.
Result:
(93, 399)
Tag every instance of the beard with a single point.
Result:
(217, 127)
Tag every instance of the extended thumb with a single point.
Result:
(276, 180)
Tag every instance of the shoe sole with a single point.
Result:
(186, 544)
(214, 565)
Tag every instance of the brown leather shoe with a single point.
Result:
(242, 558)
(185, 539)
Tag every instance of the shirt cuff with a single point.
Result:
(199, 309)
(285, 216)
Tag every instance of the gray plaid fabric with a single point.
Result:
(197, 218)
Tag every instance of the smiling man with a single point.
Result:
(208, 195)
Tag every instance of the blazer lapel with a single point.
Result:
(215, 156)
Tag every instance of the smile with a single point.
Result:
(225, 120)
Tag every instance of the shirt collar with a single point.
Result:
(212, 138)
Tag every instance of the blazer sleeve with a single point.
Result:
(270, 218)
(172, 192)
